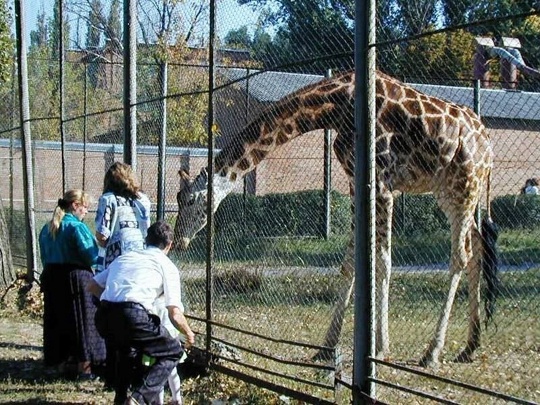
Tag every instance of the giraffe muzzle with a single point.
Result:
(182, 243)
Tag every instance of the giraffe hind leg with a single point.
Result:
(461, 254)
(488, 266)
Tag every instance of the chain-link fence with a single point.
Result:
(264, 294)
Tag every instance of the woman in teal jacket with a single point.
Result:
(69, 251)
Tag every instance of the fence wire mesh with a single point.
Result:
(283, 223)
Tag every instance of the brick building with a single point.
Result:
(512, 118)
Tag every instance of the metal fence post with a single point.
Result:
(26, 139)
(364, 198)
(130, 83)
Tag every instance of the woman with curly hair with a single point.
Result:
(68, 252)
(123, 214)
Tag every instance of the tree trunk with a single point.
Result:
(7, 271)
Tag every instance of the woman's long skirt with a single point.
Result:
(69, 331)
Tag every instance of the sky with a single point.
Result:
(230, 15)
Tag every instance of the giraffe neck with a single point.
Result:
(222, 186)
(324, 105)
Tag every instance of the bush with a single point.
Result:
(301, 215)
(239, 281)
(281, 215)
(249, 227)
(516, 211)
(416, 215)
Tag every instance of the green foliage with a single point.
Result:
(113, 31)
(6, 43)
(418, 215)
(238, 38)
(516, 212)
(295, 214)
(40, 36)
(304, 31)
(54, 26)
(416, 16)
(291, 228)
(93, 33)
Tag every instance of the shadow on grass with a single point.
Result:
(18, 346)
(28, 370)
(41, 401)
(28, 381)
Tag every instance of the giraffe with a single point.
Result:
(423, 145)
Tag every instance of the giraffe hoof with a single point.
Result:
(464, 357)
(428, 362)
(324, 356)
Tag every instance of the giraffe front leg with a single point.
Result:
(333, 332)
(383, 270)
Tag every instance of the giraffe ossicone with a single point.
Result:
(423, 145)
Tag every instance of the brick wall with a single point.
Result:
(295, 166)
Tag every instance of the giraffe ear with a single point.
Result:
(185, 178)
(204, 174)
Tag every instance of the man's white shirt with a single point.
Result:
(141, 276)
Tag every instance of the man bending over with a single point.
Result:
(127, 290)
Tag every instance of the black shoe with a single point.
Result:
(120, 399)
(87, 377)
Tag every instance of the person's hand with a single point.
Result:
(101, 240)
(190, 339)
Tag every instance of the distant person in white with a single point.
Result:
(531, 187)
(128, 289)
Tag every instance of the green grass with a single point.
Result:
(516, 248)
(298, 308)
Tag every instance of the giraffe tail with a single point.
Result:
(490, 261)
(490, 266)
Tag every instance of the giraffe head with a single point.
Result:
(192, 201)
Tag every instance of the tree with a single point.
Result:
(93, 33)
(416, 16)
(40, 36)
(7, 271)
(457, 12)
(55, 29)
(306, 31)
(6, 43)
(113, 32)
(261, 43)
(439, 58)
(166, 28)
(238, 38)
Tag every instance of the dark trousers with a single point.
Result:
(129, 328)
